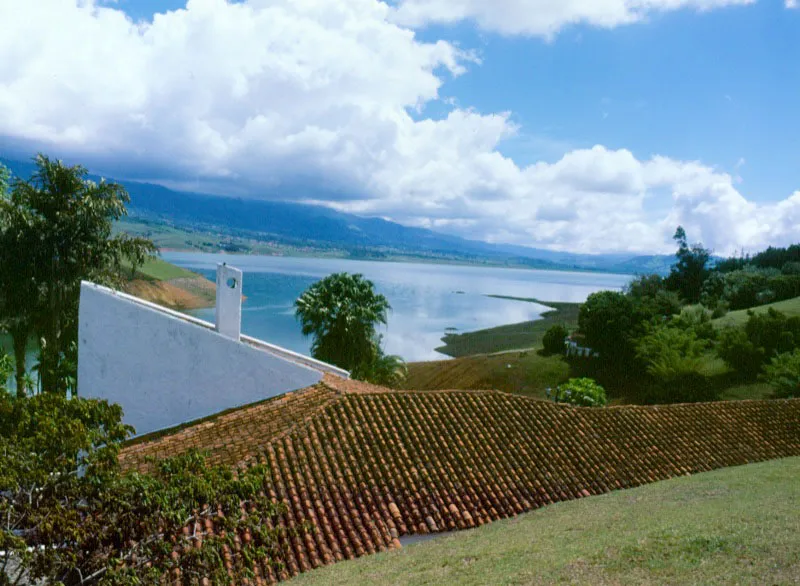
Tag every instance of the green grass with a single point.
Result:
(732, 526)
(790, 307)
(514, 336)
(157, 269)
(525, 373)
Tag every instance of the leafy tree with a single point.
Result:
(553, 340)
(670, 352)
(765, 334)
(583, 392)
(690, 270)
(695, 319)
(783, 374)
(55, 230)
(608, 321)
(651, 297)
(739, 353)
(342, 312)
(68, 515)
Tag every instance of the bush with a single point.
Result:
(783, 374)
(553, 340)
(583, 392)
(696, 319)
(607, 320)
(669, 352)
(739, 353)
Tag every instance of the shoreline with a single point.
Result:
(407, 259)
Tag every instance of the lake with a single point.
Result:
(427, 299)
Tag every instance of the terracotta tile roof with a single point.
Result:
(363, 465)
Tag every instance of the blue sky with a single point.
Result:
(719, 87)
(595, 125)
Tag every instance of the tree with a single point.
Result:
(690, 270)
(68, 515)
(553, 340)
(608, 321)
(651, 297)
(56, 230)
(783, 374)
(342, 312)
(388, 370)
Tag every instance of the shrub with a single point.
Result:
(607, 319)
(697, 319)
(783, 374)
(670, 352)
(739, 353)
(553, 340)
(583, 392)
(773, 331)
(674, 359)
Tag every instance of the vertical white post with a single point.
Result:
(229, 301)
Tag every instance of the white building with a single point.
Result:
(166, 368)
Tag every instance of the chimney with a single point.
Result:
(229, 301)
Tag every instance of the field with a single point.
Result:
(519, 336)
(171, 286)
(157, 269)
(525, 373)
(737, 525)
(790, 307)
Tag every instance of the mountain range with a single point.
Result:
(318, 226)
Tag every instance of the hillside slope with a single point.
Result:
(369, 465)
(171, 286)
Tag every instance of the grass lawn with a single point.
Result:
(157, 269)
(519, 336)
(789, 307)
(733, 526)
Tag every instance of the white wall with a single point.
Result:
(166, 369)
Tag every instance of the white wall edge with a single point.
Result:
(278, 351)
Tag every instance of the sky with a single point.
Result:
(580, 125)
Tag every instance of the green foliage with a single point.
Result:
(670, 352)
(651, 297)
(674, 358)
(764, 335)
(739, 353)
(697, 319)
(55, 230)
(583, 392)
(783, 374)
(342, 312)
(70, 516)
(388, 370)
(553, 340)
(608, 320)
(749, 286)
(690, 270)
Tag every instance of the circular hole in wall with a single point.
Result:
(231, 283)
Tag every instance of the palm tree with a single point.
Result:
(342, 312)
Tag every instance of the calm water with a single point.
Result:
(426, 299)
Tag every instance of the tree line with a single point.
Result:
(657, 335)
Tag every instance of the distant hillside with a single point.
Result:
(297, 224)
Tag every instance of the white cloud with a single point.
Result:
(543, 18)
(261, 95)
(791, 3)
